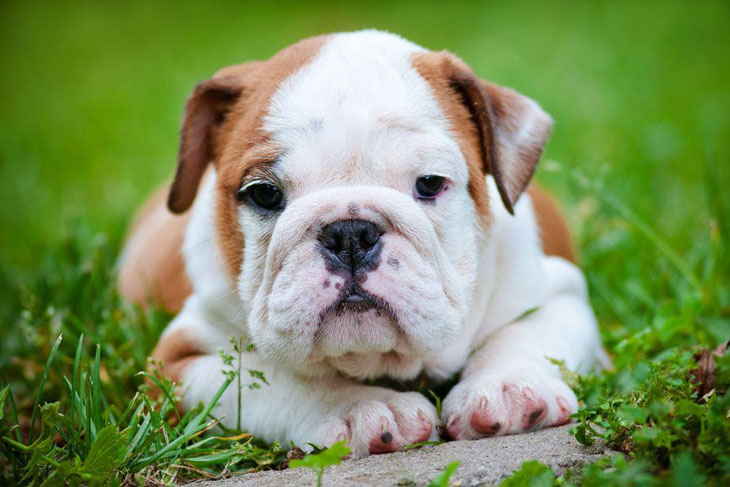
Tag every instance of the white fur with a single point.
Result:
(359, 126)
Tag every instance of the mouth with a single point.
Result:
(354, 299)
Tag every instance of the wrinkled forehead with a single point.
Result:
(359, 111)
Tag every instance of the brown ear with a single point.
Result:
(205, 109)
(512, 130)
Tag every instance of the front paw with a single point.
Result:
(384, 423)
(492, 404)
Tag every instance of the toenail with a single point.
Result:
(386, 437)
(496, 426)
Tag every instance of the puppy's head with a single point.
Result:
(351, 198)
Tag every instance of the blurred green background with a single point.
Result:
(91, 96)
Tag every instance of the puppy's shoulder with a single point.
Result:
(553, 229)
(151, 268)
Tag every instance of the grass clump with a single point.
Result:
(667, 419)
(93, 419)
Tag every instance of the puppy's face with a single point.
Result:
(350, 209)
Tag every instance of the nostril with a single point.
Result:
(331, 241)
(368, 238)
(367, 233)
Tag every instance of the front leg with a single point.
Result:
(293, 407)
(509, 385)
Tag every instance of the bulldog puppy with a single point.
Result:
(356, 208)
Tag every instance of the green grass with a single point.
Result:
(90, 103)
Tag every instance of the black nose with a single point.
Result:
(351, 245)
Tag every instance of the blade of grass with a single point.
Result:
(129, 409)
(44, 376)
(15, 415)
(140, 433)
(96, 391)
(152, 440)
(133, 422)
(213, 458)
(85, 408)
(211, 404)
(74, 432)
(74, 382)
(215, 439)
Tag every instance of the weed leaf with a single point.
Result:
(107, 452)
(530, 474)
(50, 417)
(443, 479)
(327, 457)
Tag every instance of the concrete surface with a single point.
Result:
(483, 462)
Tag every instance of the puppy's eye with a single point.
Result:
(428, 187)
(263, 195)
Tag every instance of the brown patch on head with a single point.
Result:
(223, 124)
(501, 132)
(246, 146)
(430, 65)
(554, 233)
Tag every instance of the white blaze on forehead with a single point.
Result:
(360, 99)
(356, 127)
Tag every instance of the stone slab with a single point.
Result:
(483, 462)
